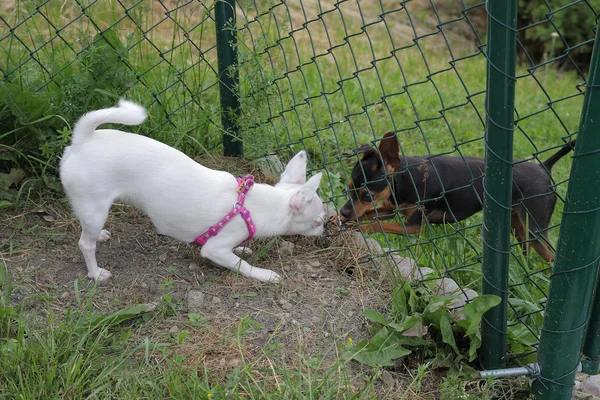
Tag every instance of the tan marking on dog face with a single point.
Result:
(361, 206)
(383, 195)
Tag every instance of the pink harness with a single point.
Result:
(244, 185)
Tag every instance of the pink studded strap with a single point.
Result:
(244, 186)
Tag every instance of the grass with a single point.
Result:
(336, 82)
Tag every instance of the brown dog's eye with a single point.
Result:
(365, 196)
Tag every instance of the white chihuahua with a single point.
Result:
(182, 198)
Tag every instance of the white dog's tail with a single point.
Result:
(126, 113)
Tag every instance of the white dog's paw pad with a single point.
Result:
(101, 276)
(104, 236)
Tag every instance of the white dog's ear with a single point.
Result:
(295, 171)
(304, 195)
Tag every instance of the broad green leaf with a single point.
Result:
(5, 204)
(122, 315)
(374, 316)
(406, 323)
(381, 350)
(521, 334)
(399, 302)
(475, 343)
(435, 304)
(447, 334)
(475, 310)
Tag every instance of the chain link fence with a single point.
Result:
(323, 76)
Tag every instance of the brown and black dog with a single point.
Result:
(444, 189)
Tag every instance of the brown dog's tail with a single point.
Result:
(549, 163)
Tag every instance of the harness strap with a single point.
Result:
(244, 185)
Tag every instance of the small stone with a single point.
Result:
(387, 379)
(422, 273)
(236, 362)
(446, 287)
(459, 302)
(64, 295)
(374, 246)
(48, 218)
(75, 259)
(350, 314)
(216, 300)
(144, 285)
(174, 329)
(162, 257)
(173, 248)
(287, 267)
(193, 266)
(286, 248)
(406, 266)
(314, 263)
(315, 320)
(591, 385)
(368, 244)
(287, 306)
(150, 307)
(195, 300)
(271, 165)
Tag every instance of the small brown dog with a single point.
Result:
(445, 189)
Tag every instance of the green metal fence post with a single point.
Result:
(591, 344)
(228, 76)
(500, 100)
(576, 264)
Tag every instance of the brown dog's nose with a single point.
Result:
(346, 211)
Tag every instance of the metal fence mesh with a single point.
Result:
(348, 72)
(320, 75)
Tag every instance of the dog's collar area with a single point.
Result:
(244, 185)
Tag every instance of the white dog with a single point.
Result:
(182, 198)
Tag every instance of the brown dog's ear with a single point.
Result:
(367, 151)
(389, 150)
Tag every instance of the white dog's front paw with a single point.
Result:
(104, 236)
(242, 251)
(101, 275)
(265, 275)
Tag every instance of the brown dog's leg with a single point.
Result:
(520, 231)
(540, 247)
(390, 227)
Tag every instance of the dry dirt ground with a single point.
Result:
(320, 302)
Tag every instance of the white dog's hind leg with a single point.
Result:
(92, 220)
(229, 260)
